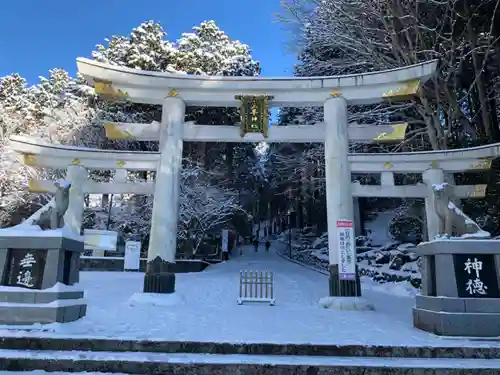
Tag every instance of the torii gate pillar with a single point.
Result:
(160, 276)
(344, 280)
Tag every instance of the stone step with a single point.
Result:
(41, 372)
(42, 341)
(242, 364)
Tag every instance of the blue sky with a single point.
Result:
(40, 35)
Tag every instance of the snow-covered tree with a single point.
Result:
(206, 50)
(209, 51)
(204, 206)
(49, 110)
(64, 110)
(378, 35)
(459, 107)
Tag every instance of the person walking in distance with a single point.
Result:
(268, 245)
(256, 244)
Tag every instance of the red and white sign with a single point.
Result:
(347, 250)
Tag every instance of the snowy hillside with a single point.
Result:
(379, 256)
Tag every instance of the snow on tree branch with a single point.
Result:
(204, 206)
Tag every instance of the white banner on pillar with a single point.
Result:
(225, 240)
(346, 248)
(132, 259)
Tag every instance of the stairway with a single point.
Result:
(200, 358)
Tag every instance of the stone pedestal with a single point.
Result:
(343, 288)
(37, 274)
(159, 277)
(460, 293)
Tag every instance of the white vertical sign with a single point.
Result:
(346, 249)
(132, 259)
(225, 240)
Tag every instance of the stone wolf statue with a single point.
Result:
(53, 217)
(452, 221)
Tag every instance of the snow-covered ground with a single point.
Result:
(206, 310)
(378, 228)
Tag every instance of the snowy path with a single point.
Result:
(208, 310)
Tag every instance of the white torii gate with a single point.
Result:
(39, 153)
(431, 164)
(174, 92)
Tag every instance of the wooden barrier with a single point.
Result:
(256, 286)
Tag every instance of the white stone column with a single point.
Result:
(339, 199)
(387, 179)
(163, 238)
(73, 218)
(432, 177)
(120, 176)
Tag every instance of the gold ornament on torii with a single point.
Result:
(254, 114)
(108, 91)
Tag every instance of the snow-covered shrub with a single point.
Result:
(407, 229)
